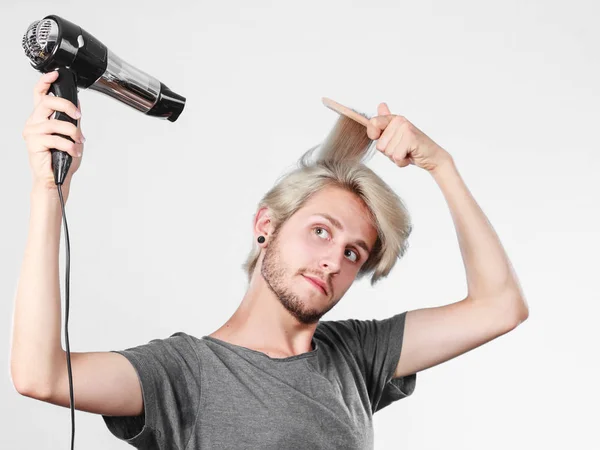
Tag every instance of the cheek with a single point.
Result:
(302, 254)
(296, 254)
(305, 246)
(314, 243)
(345, 280)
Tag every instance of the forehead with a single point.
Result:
(346, 207)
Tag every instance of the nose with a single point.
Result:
(331, 262)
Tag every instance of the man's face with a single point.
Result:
(310, 244)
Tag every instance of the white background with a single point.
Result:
(160, 213)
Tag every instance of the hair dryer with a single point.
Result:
(54, 43)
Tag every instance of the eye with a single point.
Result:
(321, 229)
(355, 255)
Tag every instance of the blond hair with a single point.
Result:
(340, 163)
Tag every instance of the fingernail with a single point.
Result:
(79, 154)
(82, 139)
(77, 114)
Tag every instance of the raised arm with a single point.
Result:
(103, 382)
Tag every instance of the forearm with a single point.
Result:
(36, 342)
(490, 275)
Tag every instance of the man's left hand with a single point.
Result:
(403, 142)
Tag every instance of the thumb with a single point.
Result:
(383, 110)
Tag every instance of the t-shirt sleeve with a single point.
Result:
(377, 344)
(169, 374)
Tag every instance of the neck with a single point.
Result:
(263, 324)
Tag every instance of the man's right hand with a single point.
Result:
(39, 130)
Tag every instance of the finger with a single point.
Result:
(387, 135)
(50, 141)
(49, 104)
(373, 132)
(55, 126)
(43, 85)
(405, 162)
(383, 109)
(380, 122)
(377, 124)
(396, 148)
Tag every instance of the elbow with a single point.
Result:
(523, 310)
(512, 309)
(29, 388)
(32, 391)
(17, 381)
(521, 313)
(22, 387)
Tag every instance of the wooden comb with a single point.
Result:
(341, 109)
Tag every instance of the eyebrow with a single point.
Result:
(337, 224)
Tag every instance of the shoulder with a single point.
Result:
(177, 345)
(358, 328)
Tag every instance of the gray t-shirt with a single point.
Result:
(208, 393)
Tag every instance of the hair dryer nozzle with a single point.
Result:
(169, 104)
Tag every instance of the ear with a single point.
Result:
(263, 225)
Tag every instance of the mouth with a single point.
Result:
(317, 283)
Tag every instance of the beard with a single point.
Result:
(274, 274)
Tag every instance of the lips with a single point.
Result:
(318, 283)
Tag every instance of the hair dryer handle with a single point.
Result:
(65, 86)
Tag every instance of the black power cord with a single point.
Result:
(68, 250)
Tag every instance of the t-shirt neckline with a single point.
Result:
(247, 350)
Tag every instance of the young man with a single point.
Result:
(274, 376)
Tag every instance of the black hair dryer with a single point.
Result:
(54, 43)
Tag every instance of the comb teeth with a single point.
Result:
(366, 116)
